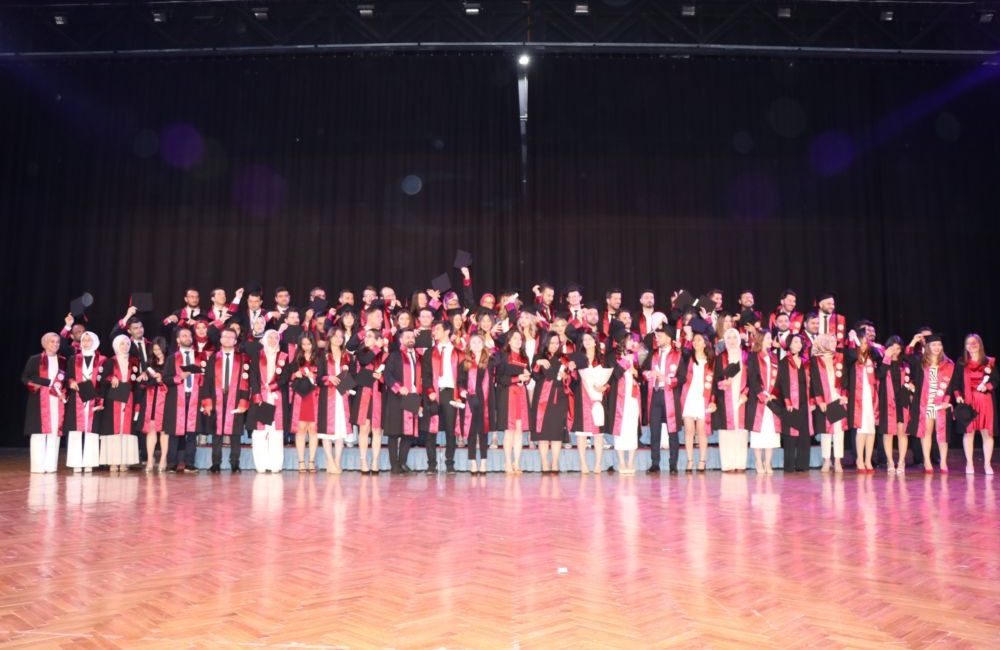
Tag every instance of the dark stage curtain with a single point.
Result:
(874, 180)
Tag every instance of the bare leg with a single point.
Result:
(987, 451)
(543, 451)
(769, 461)
(702, 444)
(968, 440)
(926, 443)
(363, 431)
(518, 446)
(758, 461)
(581, 447)
(338, 446)
(689, 436)
(598, 453)
(508, 451)
(904, 443)
(376, 448)
(887, 447)
(164, 445)
(328, 453)
(300, 444)
(556, 452)
(150, 450)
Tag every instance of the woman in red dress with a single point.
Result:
(307, 369)
(974, 386)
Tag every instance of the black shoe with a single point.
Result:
(190, 470)
(215, 469)
(172, 469)
(406, 469)
(653, 469)
(431, 470)
(374, 472)
(397, 471)
(236, 469)
(673, 469)
(451, 470)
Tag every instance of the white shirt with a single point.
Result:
(411, 358)
(447, 379)
(53, 368)
(662, 367)
(188, 360)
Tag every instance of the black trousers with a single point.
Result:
(446, 423)
(657, 417)
(796, 450)
(399, 451)
(235, 448)
(187, 444)
(478, 436)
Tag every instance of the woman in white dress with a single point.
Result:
(271, 373)
(335, 410)
(627, 408)
(861, 362)
(765, 426)
(696, 397)
(730, 399)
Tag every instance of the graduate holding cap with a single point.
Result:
(270, 372)
(44, 376)
(830, 416)
(307, 373)
(84, 404)
(932, 373)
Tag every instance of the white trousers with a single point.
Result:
(83, 449)
(836, 439)
(733, 449)
(44, 452)
(122, 449)
(268, 448)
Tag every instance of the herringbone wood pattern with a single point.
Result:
(317, 561)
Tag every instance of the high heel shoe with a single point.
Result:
(311, 467)
(302, 466)
(701, 466)
(690, 466)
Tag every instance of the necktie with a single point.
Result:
(413, 371)
(189, 382)
(225, 374)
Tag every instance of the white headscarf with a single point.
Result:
(94, 348)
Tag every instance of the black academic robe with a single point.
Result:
(394, 423)
(550, 404)
(38, 385)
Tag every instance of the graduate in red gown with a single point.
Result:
(552, 399)
(895, 391)
(270, 372)
(119, 448)
(796, 421)
(151, 394)
(307, 375)
(334, 423)
(663, 372)
(367, 407)
(974, 385)
(45, 375)
(932, 372)
(81, 422)
(512, 375)
(403, 379)
(225, 398)
(861, 362)
(182, 420)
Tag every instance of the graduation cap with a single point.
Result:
(748, 316)
(665, 329)
(292, 333)
(931, 338)
(86, 390)
(777, 407)
(964, 414)
(424, 339)
(78, 306)
(706, 303)
(684, 300)
(411, 402)
(120, 393)
(142, 301)
(731, 370)
(193, 368)
(579, 358)
(441, 283)
(302, 386)
(365, 378)
(835, 412)
(319, 306)
(347, 382)
(263, 413)
(346, 309)
(458, 311)
(462, 258)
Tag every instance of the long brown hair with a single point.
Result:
(965, 351)
(300, 355)
(470, 360)
(506, 345)
(925, 360)
(709, 349)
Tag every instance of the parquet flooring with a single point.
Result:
(569, 561)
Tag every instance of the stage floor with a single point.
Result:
(568, 561)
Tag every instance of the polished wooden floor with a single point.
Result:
(568, 561)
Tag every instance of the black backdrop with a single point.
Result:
(877, 180)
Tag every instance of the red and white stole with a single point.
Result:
(865, 372)
(186, 419)
(768, 380)
(43, 399)
(411, 377)
(795, 391)
(239, 375)
(334, 368)
(477, 376)
(937, 395)
(85, 410)
(734, 414)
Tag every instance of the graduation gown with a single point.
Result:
(225, 399)
(119, 417)
(37, 417)
(893, 397)
(399, 374)
(854, 375)
(793, 391)
(270, 385)
(326, 417)
(180, 407)
(80, 415)
(822, 389)
(551, 402)
(476, 382)
(968, 377)
(511, 394)
(761, 382)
